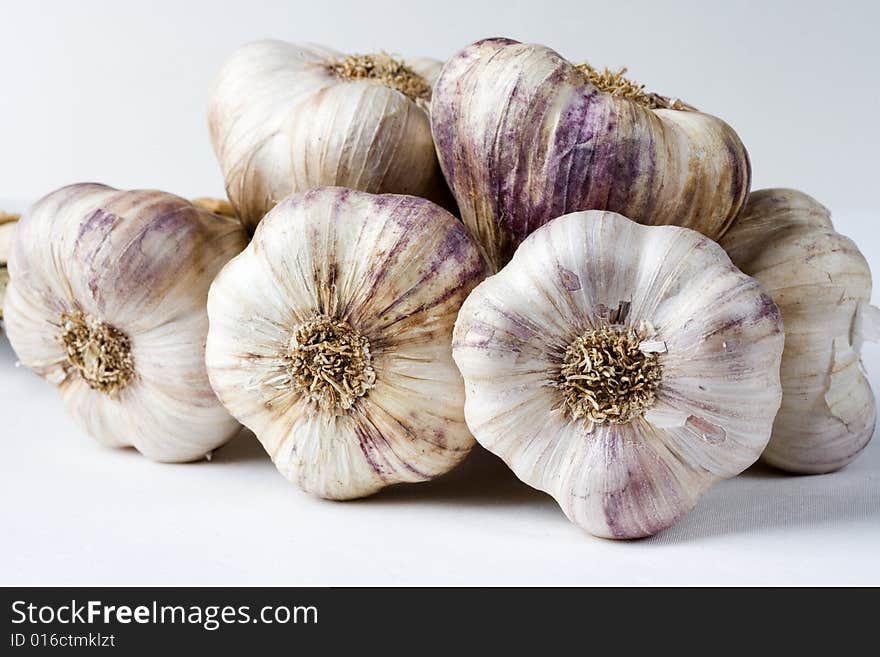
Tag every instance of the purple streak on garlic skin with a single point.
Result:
(631, 511)
(404, 212)
(522, 138)
(132, 263)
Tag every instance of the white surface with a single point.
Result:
(77, 513)
(115, 92)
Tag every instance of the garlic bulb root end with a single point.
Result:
(330, 363)
(607, 377)
(98, 352)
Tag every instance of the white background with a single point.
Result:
(116, 92)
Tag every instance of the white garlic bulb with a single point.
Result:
(621, 368)
(8, 222)
(286, 118)
(822, 285)
(107, 300)
(330, 337)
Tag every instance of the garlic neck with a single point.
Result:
(867, 324)
(617, 84)
(608, 377)
(215, 205)
(386, 70)
(330, 363)
(98, 352)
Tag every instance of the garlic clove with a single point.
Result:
(822, 285)
(524, 136)
(286, 118)
(626, 483)
(377, 280)
(625, 451)
(299, 451)
(107, 301)
(344, 155)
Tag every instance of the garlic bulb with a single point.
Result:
(8, 222)
(106, 300)
(524, 136)
(822, 285)
(621, 368)
(286, 118)
(330, 337)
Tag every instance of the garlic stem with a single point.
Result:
(383, 68)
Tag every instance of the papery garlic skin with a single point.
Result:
(523, 137)
(822, 285)
(215, 205)
(282, 120)
(125, 271)
(8, 223)
(387, 274)
(718, 342)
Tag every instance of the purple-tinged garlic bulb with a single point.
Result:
(107, 300)
(623, 369)
(8, 222)
(822, 285)
(287, 118)
(331, 339)
(524, 136)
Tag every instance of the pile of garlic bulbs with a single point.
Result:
(614, 314)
